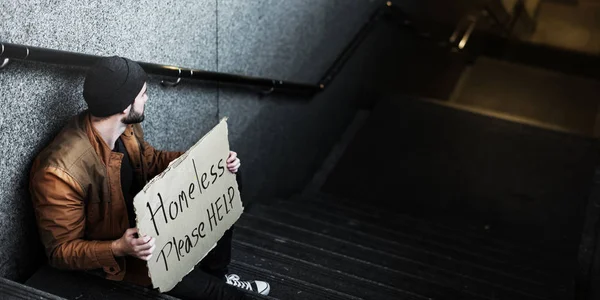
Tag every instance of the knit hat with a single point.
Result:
(112, 84)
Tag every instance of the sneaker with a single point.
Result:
(256, 286)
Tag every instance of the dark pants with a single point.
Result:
(207, 280)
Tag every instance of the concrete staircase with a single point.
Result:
(324, 247)
(426, 223)
(394, 244)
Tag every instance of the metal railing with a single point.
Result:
(9, 52)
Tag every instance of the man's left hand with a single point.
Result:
(233, 162)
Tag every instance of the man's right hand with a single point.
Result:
(128, 244)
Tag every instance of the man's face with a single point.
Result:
(136, 111)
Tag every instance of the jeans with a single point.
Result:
(207, 280)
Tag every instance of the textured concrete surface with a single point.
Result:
(289, 40)
(37, 99)
(149, 30)
(281, 141)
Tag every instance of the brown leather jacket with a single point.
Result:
(79, 205)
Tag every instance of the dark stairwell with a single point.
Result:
(465, 175)
(468, 177)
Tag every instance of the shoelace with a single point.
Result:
(234, 280)
(232, 277)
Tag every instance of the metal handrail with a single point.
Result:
(10, 52)
(378, 15)
(27, 53)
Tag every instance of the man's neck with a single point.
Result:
(109, 129)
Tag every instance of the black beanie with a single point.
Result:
(112, 84)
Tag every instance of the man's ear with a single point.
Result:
(127, 109)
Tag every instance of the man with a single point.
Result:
(82, 187)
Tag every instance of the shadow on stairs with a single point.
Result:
(324, 247)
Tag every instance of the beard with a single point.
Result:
(133, 117)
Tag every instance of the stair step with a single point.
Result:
(366, 211)
(412, 262)
(387, 275)
(392, 245)
(410, 227)
(316, 274)
(84, 286)
(524, 260)
(286, 287)
(396, 229)
(538, 55)
(370, 212)
(10, 290)
(387, 213)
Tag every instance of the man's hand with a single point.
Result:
(128, 244)
(233, 162)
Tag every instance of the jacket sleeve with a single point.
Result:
(58, 202)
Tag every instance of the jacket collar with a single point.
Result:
(98, 143)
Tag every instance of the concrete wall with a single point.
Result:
(280, 141)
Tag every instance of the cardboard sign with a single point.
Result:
(188, 207)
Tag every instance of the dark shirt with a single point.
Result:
(129, 185)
